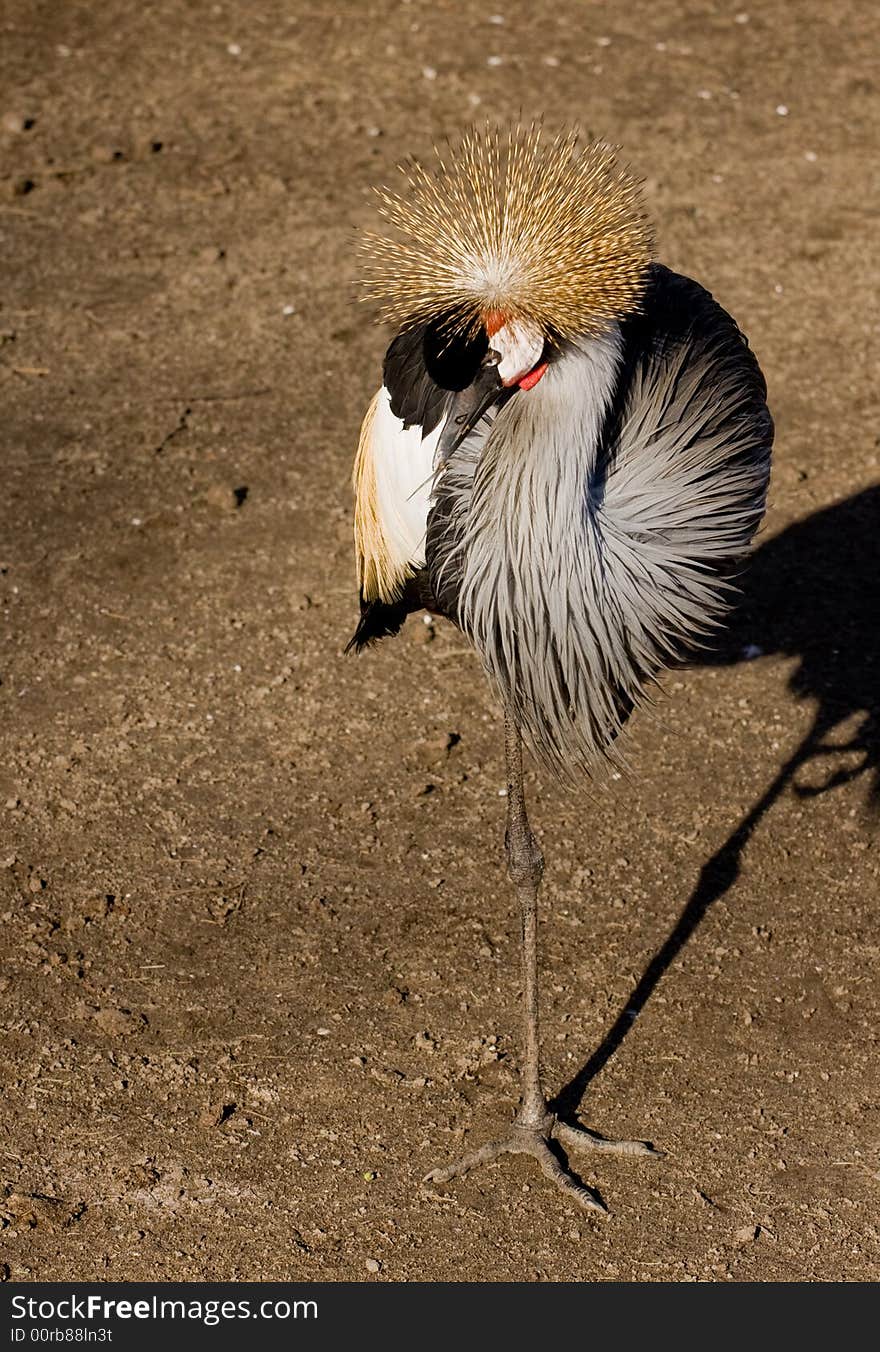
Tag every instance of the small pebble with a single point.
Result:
(14, 122)
(422, 633)
(103, 153)
(429, 72)
(373, 1265)
(323, 1032)
(233, 49)
(782, 110)
(288, 309)
(222, 498)
(494, 60)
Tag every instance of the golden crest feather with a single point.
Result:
(548, 230)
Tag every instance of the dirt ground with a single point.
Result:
(259, 953)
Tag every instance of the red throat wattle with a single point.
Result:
(530, 381)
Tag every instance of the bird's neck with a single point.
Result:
(556, 428)
(581, 385)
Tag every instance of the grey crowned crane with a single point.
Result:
(568, 458)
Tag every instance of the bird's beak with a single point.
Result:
(469, 405)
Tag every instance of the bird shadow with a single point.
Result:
(811, 593)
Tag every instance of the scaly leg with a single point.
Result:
(535, 1126)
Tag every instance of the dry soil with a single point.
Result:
(259, 954)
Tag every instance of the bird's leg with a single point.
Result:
(534, 1126)
(525, 866)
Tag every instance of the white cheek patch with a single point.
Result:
(520, 346)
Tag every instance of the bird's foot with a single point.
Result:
(529, 1138)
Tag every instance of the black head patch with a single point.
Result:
(424, 366)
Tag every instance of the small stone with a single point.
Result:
(747, 1234)
(436, 749)
(114, 1022)
(422, 633)
(103, 153)
(216, 1114)
(145, 143)
(221, 497)
(14, 123)
(373, 1265)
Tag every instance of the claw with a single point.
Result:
(536, 1142)
(581, 1138)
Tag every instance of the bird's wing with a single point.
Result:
(681, 484)
(394, 473)
(393, 477)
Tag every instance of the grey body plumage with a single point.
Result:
(572, 474)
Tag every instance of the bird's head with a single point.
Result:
(516, 242)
